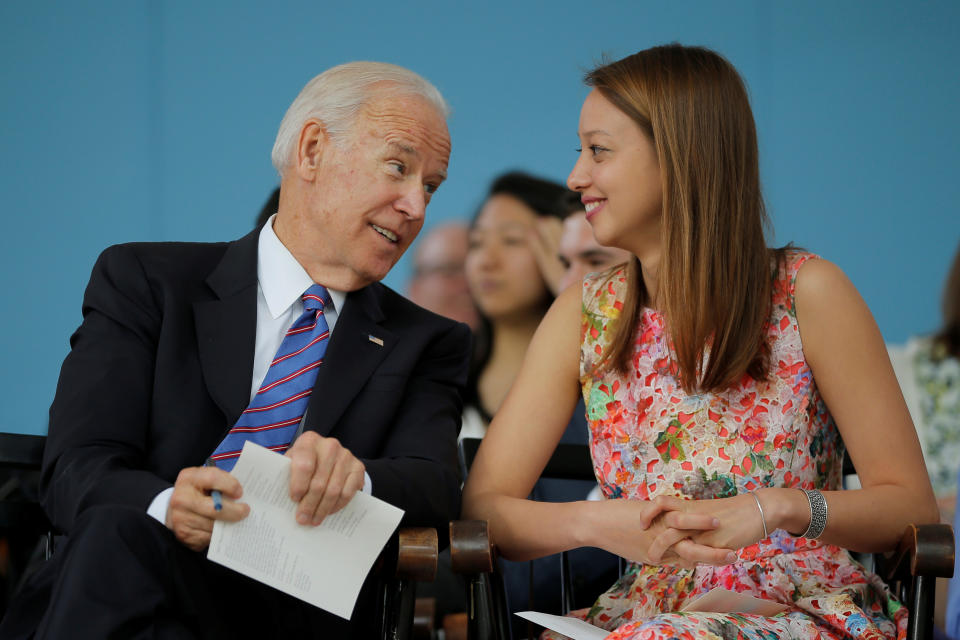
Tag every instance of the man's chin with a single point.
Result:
(373, 273)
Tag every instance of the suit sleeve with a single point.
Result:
(418, 470)
(98, 432)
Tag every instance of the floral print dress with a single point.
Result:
(649, 437)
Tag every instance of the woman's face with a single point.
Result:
(501, 269)
(618, 177)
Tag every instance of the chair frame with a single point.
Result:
(568, 462)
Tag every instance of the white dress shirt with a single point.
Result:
(281, 281)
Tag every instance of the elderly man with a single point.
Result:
(284, 337)
(439, 282)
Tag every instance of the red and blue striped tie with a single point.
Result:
(275, 412)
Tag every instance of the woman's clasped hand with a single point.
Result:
(664, 530)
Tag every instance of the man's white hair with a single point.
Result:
(336, 96)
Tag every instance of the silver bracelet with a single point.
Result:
(818, 514)
(762, 518)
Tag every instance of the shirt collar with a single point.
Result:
(282, 279)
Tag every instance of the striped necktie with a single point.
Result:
(273, 416)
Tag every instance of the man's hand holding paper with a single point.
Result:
(324, 476)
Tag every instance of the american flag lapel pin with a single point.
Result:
(375, 340)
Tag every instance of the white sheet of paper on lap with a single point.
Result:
(714, 601)
(324, 565)
(720, 600)
(571, 627)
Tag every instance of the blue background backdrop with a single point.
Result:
(135, 120)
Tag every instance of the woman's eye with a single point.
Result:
(594, 149)
(431, 188)
(399, 167)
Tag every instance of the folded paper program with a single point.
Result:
(323, 565)
(714, 601)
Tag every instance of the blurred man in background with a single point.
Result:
(438, 281)
(567, 251)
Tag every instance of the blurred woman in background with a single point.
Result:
(928, 370)
(508, 286)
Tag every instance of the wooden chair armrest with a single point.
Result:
(475, 557)
(470, 549)
(924, 550)
(417, 553)
(410, 557)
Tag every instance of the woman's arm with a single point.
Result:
(846, 352)
(520, 441)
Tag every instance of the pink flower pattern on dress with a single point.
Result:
(649, 437)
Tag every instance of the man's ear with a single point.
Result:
(311, 146)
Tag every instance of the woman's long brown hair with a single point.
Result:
(714, 280)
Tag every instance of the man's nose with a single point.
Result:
(413, 202)
(574, 274)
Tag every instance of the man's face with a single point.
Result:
(580, 252)
(439, 282)
(365, 194)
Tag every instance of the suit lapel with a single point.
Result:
(227, 327)
(354, 352)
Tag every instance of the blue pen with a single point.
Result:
(215, 494)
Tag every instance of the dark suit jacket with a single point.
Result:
(161, 368)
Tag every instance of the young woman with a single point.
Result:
(722, 381)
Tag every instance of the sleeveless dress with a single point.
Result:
(649, 437)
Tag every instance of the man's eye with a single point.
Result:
(431, 188)
(399, 167)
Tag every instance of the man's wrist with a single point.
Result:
(159, 505)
